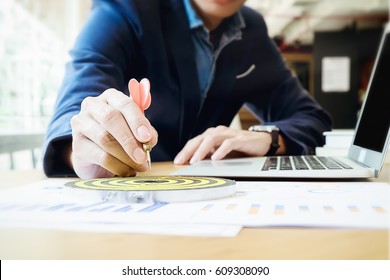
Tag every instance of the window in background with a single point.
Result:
(35, 36)
(31, 68)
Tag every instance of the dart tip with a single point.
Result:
(147, 148)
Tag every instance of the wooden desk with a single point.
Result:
(259, 243)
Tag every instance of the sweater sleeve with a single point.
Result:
(99, 60)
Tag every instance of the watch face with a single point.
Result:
(267, 128)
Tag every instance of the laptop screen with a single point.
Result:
(375, 119)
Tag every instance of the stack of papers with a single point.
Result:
(337, 143)
(339, 138)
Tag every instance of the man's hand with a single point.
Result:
(107, 137)
(218, 142)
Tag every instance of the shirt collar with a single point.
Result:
(193, 18)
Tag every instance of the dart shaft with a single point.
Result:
(149, 161)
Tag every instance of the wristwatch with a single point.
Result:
(274, 131)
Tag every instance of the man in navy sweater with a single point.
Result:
(204, 59)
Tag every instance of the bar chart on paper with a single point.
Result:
(303, 204)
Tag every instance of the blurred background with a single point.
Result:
(329, 44)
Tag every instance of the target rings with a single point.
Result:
(155, 188)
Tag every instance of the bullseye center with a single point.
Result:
(148, 181)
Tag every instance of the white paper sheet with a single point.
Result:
(336, 74)
(48, 204)
(358, 205)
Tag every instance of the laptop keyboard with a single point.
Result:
(303, 163)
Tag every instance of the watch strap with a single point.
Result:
(274, 144)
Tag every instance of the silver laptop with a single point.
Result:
(366, 153)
